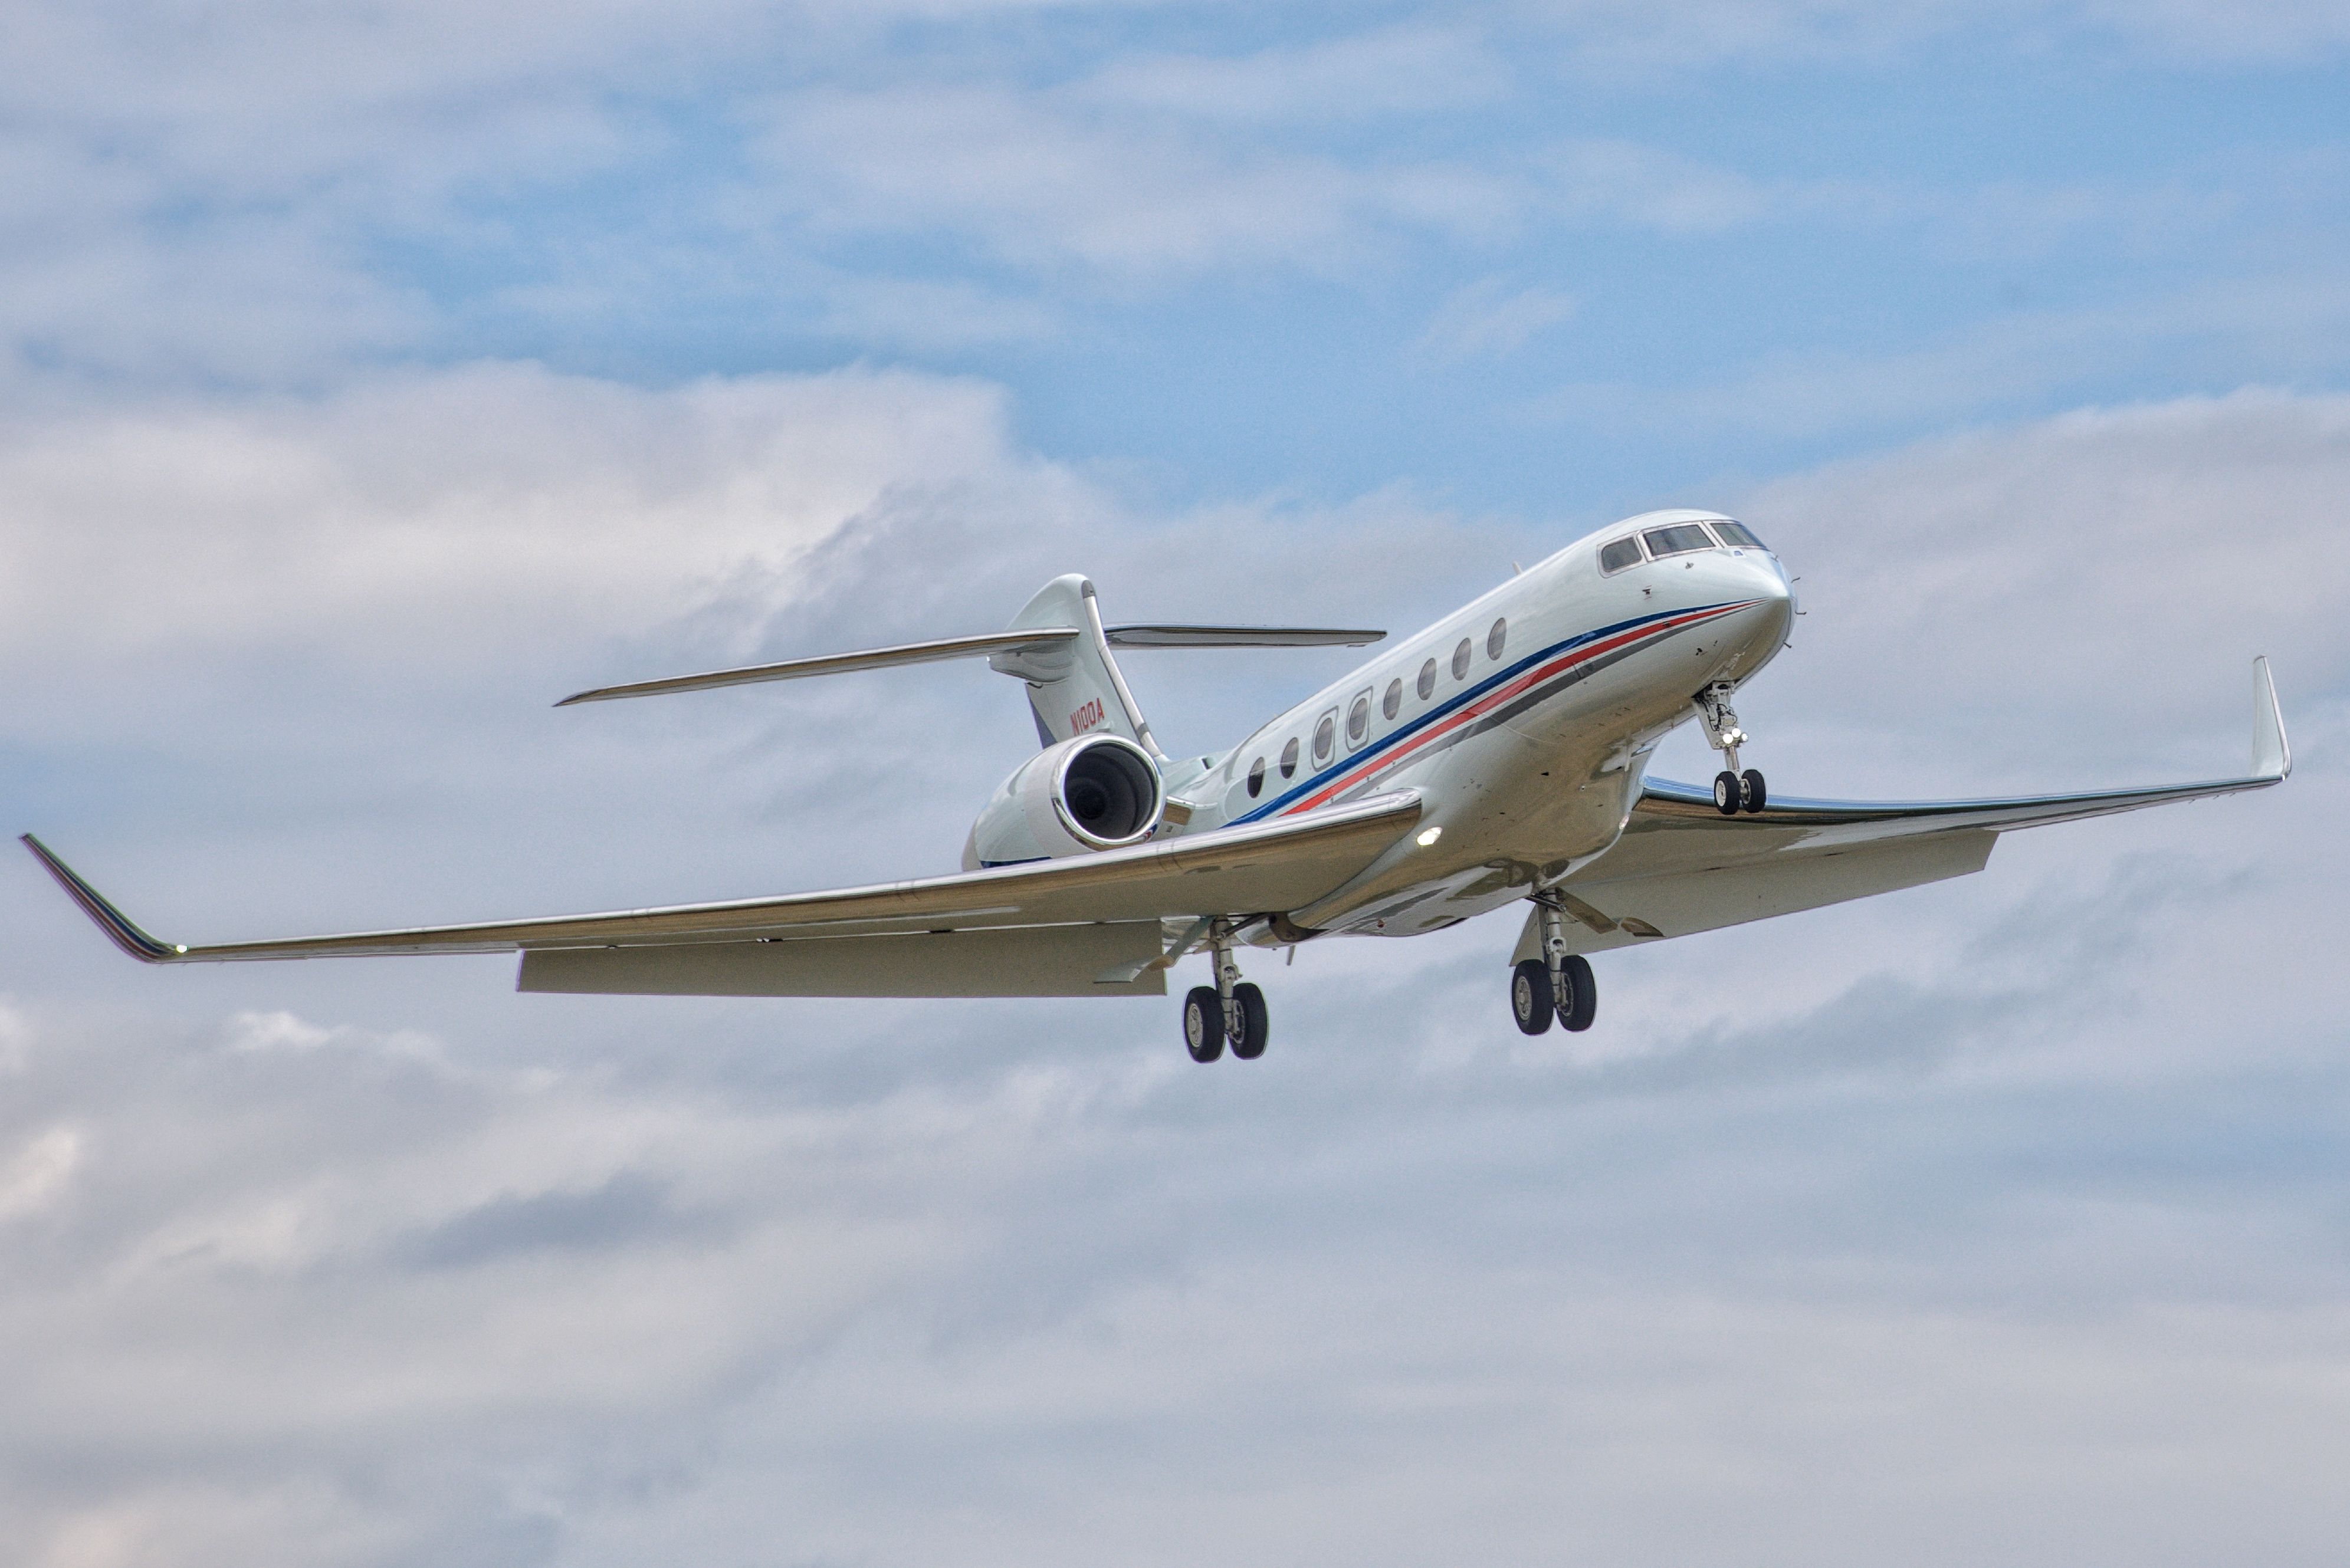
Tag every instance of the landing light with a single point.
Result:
(1431, 836)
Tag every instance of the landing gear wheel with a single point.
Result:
(1752, 795)
(1727, 793)
(1530, 996)
(1578, 999)
(1250, 1023)
(1204, 1023)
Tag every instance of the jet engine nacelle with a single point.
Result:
(1096, 792)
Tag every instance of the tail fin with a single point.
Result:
(1074, 688)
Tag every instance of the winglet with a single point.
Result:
(2272, 755)
(111, 920)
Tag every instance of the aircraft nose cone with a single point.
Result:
(1761, 627)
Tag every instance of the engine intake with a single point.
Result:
(1096, 792)
(1106, 791)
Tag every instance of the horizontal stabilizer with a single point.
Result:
(1007, 647)
(985, 645)
(1239, 637)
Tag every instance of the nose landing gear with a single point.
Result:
(1232, 1009)
(1733, 791)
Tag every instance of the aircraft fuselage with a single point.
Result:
(1524, 719)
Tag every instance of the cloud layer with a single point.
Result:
(370, 378)
(1969, 1217)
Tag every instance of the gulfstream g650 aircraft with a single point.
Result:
(1498, 757)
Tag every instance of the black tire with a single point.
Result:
(1580, 1003)
(1204, 1023)
(1726, 792)
(1531, 1002)
(1255, 1023)
(1752, 795)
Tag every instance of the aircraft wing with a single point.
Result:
(1682, 867)
(1028, 929)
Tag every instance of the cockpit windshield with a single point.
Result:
(1677, 540)
(1737, 534)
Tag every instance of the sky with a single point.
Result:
(373, 375)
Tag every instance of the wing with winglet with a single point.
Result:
(1682, 867)
(1084, 924)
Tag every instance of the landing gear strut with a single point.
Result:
(1557, 984)
(1232, 1009)
(1733, 791)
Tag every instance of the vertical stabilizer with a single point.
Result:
(1076, 689)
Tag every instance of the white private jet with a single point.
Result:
(1498, 757)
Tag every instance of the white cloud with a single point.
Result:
(1624, 181)
(1398, 71)
(2294, 323)
(35, 1175)
(262, 199)
(1044, 185)
(447, 514)
(1616, 35)
(16, 1039)
(1489, 317)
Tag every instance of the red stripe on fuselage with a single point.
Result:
(1517, 687)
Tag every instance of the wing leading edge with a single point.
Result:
(1682, 867)
(1264, 867)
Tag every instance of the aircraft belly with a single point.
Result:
(1511, 812)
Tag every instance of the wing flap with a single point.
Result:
(1262, 867)
(1035, 960)
(1642, 908)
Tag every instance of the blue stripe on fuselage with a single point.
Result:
(1445, 709)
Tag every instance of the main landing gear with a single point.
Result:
(1557, 984)
(1733, 791)
(1230, 1010)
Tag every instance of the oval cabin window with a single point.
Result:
(1289, 759)
(1358, 719)
(1496, 638)
(1325, 734)
(1392, 703)
(1427, 681)
(1460, 659)
(1257, 778)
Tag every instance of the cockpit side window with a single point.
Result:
(1622, 553)
(1737, 534)
(1677, 540)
